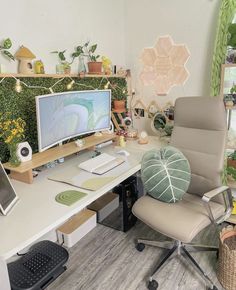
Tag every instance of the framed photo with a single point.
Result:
(8, 196)
(228, 78)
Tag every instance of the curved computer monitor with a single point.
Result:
(62, 116)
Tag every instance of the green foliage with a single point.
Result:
(232, 35)
(232, 155)
(80, 50)
(23, 104)
(62, 58)
(226, 15)
(231, 171)
(7, 44)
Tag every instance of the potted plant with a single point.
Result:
(4, 49)
(80, 53)
(119, 101)
(231, 42)
(94, 66)
(231, 161)
(64, 66)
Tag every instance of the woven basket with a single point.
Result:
(227, 258)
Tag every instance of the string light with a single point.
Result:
(107, 85)
(19, 83)
(70, 85)
(18, 86)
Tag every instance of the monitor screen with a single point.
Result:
(7, 193)
(65, 115)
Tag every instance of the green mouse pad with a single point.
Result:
(69, 197)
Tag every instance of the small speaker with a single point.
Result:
(24, 152)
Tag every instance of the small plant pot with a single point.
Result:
(119, 105)
(95, 67)
(67, 70)
(231, 163)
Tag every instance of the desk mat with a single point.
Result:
(69, 197)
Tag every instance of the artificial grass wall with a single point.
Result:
(23, 104)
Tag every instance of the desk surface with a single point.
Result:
(37, 212)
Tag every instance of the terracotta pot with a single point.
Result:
(119, 105)
(231, 162)
(95, 67)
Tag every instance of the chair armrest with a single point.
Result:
(210, 194)
(228, 200)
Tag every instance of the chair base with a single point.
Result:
(179, 248)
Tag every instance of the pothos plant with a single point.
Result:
(86, 50)
(62, 58)
(4, 48)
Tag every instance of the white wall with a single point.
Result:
(187, 21)
(47, 25)
(121, 29)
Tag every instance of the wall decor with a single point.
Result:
(164, 65)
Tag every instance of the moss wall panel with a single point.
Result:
(23, 104)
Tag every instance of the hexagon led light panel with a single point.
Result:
(164, 65)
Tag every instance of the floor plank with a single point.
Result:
(106, 259)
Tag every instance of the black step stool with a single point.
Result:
(39, 267)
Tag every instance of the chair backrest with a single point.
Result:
(200, 132)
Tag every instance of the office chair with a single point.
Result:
(199, 133)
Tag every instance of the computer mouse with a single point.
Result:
(123, 152)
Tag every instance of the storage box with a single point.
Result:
(76, 227)
(105, 205)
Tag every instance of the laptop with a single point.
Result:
(8, 195)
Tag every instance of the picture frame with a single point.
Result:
(228, 78)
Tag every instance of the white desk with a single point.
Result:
(37, 212)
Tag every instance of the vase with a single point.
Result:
(81, 68)
(14, 159)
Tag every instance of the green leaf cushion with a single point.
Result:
(165, 174)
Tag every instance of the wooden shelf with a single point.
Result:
(24, 171)
(6, 75)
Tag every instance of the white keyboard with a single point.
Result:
(101, 163)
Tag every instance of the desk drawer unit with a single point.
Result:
(76, 227)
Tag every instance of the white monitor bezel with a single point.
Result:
(37, 98)
(16, 198)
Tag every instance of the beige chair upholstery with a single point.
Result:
(200, 133)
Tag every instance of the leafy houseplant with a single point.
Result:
(119, 101)
(12, 132)
(65, 66)
(231, 161)
(94, 66)
(4, 48)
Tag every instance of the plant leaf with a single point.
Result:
(93, 48)
(8, 54)
(7, 43)
(61, 55)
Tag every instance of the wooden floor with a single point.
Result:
(106, 259)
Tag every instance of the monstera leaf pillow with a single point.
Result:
(165, 174)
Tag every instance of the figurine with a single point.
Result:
(122, 142)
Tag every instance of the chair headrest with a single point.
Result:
(207, 113)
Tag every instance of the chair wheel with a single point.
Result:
(140, 247)
(214, 288)
(152, 285)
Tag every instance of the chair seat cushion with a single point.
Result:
(165, 174)
(180, 221)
